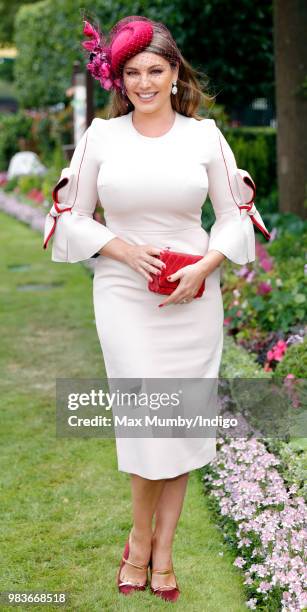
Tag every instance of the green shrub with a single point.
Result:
(239, 363)
(286, 224)
(15, 131)
(294, 361)
(7, 69)
(282, 307)
(42, 130)
(255, 151)
(62, 125)
(42, 133)
(50, 180)
(292, 463)
(11, 184)
(52, 176)
(28, 182)
(268, 208)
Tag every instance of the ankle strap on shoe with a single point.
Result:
(141, 567)
(163, 572)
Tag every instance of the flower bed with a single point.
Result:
(263, 519)
(265, 300)
(256, 489)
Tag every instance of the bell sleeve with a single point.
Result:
(76, 235)
(231, 192)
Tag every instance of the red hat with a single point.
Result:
(129, 36)
(129, 39)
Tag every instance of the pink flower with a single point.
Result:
(239, 562)
(260, 250)
(94, 67)
(278, 351)
(3, 178)
(242, 271)
(250, 276)
(266, 367)
(266, 264)
(106, 83)
(36, 195)
(99, 65)
(263, 587)
(227, 320)
(265, 260)
(105, 70)
(264, 288)
(282, 344)
(273, 234)
(252, 493)
(100, 69)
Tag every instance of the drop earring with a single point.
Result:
(174, 88)
(124, 95)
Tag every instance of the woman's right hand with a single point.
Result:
(144, 259)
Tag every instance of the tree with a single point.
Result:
(233, 43)
(290, 23)
(8, 10)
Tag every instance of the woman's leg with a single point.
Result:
(145, 497)
(167, 515)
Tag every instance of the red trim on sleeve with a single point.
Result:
(50, 233)
(249, 204)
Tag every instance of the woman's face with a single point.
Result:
(149, 73)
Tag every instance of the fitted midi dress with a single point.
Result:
(152, 190)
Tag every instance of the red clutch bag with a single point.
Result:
(173, 261)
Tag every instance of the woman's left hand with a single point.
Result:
(191, 278)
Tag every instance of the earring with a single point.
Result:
(174, 88)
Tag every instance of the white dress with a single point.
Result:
(152, 190)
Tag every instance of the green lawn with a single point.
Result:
(65, 509)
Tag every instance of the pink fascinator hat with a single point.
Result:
(128, 37)
(108, 53)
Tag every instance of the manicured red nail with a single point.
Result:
(160, 305)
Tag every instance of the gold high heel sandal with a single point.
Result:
(165, 591)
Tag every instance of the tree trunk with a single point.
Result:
(290, 26)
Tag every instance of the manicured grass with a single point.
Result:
(65, 508)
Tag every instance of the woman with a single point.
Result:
(151, 165)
